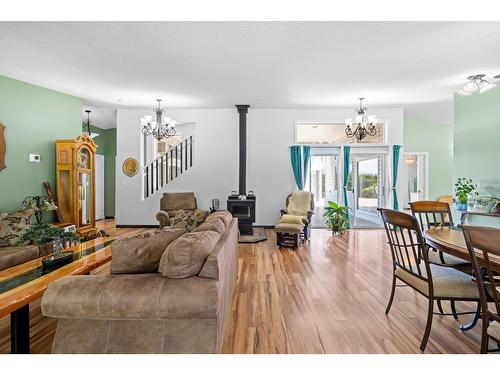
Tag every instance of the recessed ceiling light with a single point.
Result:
(121, 101)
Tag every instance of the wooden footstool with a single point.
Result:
(289, 235)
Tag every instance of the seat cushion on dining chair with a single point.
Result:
(449, 259)
(448, 282)
(494, 330)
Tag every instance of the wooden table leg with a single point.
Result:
(20, 330)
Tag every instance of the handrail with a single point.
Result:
(168, 166)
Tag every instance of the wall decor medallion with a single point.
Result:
(3, 147)
(130, 167)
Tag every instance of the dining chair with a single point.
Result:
(411, 265)
(432, 214)
(483, 244)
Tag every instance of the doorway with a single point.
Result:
(323, 181)
(366, 189)
(99, 187)
(415, 172)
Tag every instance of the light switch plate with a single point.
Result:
(34, 158)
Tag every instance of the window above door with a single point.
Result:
(333, 133)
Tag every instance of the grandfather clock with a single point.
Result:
(75, 182)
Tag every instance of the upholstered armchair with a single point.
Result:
(170, 203)
(300, 203)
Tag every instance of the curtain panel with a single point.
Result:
(347, 162)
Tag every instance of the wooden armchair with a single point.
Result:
(300, 203)
(170, 203)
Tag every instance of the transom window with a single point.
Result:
(332, 133)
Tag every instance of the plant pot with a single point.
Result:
(461, 206)
(46, 249)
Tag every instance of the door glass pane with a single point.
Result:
(366, 194)
(323, 180)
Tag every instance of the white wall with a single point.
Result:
(215, 164)
(215, 168)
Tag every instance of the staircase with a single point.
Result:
(168, 167)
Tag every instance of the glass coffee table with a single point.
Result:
(24, 283)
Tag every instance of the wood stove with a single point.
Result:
(244, 211)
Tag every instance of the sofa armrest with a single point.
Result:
(163, 218)
(282, 212)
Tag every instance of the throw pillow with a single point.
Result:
(186, 256)
(13, 226)
(141, 254)
(224, 215)
(216, 225)
(291, 219)
(188, 219)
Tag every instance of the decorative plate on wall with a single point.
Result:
(130, 167)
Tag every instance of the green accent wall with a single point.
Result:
(436, 139)
(106, 142)
(34, 117)
(477, 142)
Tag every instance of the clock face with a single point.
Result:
(130, 167)
(83, 159)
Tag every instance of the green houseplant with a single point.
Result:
(44, 235)
(336, 217)
(463, 188)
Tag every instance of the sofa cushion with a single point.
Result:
(141, 254)
(216, 225)
(188, 219)
(13, 226)
(12, 256)
(224, 215)
(186, 255)
(146, 296)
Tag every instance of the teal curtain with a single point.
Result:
(296, 159)
(306, 152)
(395, 163)
(347, 163)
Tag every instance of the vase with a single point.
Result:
(461, 206)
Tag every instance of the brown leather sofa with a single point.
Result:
(147, 313)
(170, 203)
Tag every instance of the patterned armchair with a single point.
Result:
(170, 203)
(300, 203)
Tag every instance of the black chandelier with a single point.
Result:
(365, 125)
(160, 126)
(86, 124)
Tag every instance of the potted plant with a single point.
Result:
(463, 188)
(336, 217)
(44, 235)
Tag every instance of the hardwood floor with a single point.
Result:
(328, 296)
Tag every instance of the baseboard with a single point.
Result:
(109, 217)
(264, 226)
(136, 226)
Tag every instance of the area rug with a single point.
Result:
(259, 234)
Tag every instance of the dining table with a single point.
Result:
(451, 240)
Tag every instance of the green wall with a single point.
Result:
(106, 142)
(477, 142)
(34, 118)
(436, 139)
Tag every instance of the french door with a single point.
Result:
(323, 181)
(366, 189)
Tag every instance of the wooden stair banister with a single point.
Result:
(168, 166)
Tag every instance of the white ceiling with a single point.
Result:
(417, 65)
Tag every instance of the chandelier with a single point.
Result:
(365, 125)
(161, 126)
(86, 124)
(476, 83)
